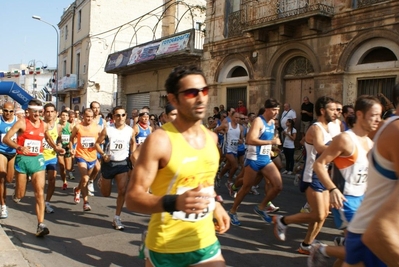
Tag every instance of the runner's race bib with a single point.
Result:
(87, 142)
(180, 215)
(33, 145)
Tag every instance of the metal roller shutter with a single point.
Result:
(137, 101)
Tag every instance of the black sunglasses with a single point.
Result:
(8, 110)
(193, 92)
(120, 115)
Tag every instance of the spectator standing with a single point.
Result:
(306, 114)
(289, 146)
(241, 108)
(288, 113)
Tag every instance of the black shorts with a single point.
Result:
(9, 156)
(110, 169)
(67, 152)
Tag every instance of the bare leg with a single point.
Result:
(38, 182)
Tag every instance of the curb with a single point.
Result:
(9, 255)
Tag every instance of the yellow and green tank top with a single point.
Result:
(48, 151)
(187, 169)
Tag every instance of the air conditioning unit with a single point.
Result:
(81, 83)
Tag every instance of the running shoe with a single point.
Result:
(339, 241)
(253, 191)
(279, 228)
(48, 208)
(271, 208)
(231, 190)
(284, 172)
(117, 224)
(306, 208)
(42, 230)
(263, 214)
(71, 175)
(4, 212)
(76, 195)
(64, 186)
(304, 249)
(234, 219)
(316, 257)
(289, 173)
(86, 207)
(90, 187)
(15, 199)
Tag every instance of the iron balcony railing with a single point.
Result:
(262, 13)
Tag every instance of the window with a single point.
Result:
(79, 19)
(234, 95)
(66, 32)
(64, 66)
(376, 86)
(378, 54)
(78, 66)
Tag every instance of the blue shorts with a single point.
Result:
(90, 165)
(51, 164)
(240, 153)
(316, 185)
(343, 216)
(357, 252)
(257, 165)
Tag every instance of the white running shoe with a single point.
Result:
(117, 224)
(316, 257)
(48, 208)
(271, 208)
(254, 191)
(279, 228)
(4, 212)
(90, 187)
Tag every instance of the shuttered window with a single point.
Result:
(137, 101)
(376, 86)
(235, 94)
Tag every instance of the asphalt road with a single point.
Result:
(80, 238)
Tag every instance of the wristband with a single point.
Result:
(332, 189)
(169, 203)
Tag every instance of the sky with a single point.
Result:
(24, 39)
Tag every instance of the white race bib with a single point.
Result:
(117, 145)
(46, 145)
(65, 138)
(265, 150)
(33, 145)
(180, 215)
(141, 140)
(87, 142)
(234, 142)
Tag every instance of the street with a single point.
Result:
(80, 238)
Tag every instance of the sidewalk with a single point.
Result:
(9, 254)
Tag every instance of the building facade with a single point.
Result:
(90, 30)
(288, 49)
(177, 38)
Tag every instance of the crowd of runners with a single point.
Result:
(173, 169)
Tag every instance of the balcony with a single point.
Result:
(68, 83)
(365, 3)
(262, 14)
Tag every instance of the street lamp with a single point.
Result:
(56, 77)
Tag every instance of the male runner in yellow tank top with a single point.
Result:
(179, 162)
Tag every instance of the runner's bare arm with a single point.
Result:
(337, 147)
(253, 135)
(72, 139)
(154, 155)
(99, 141)
(382, 233)
(50, 140)
(18, 126)
(317, 139)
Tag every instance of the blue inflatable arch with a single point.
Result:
(16, 92)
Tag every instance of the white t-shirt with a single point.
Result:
(290, 114)
(288, 142)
